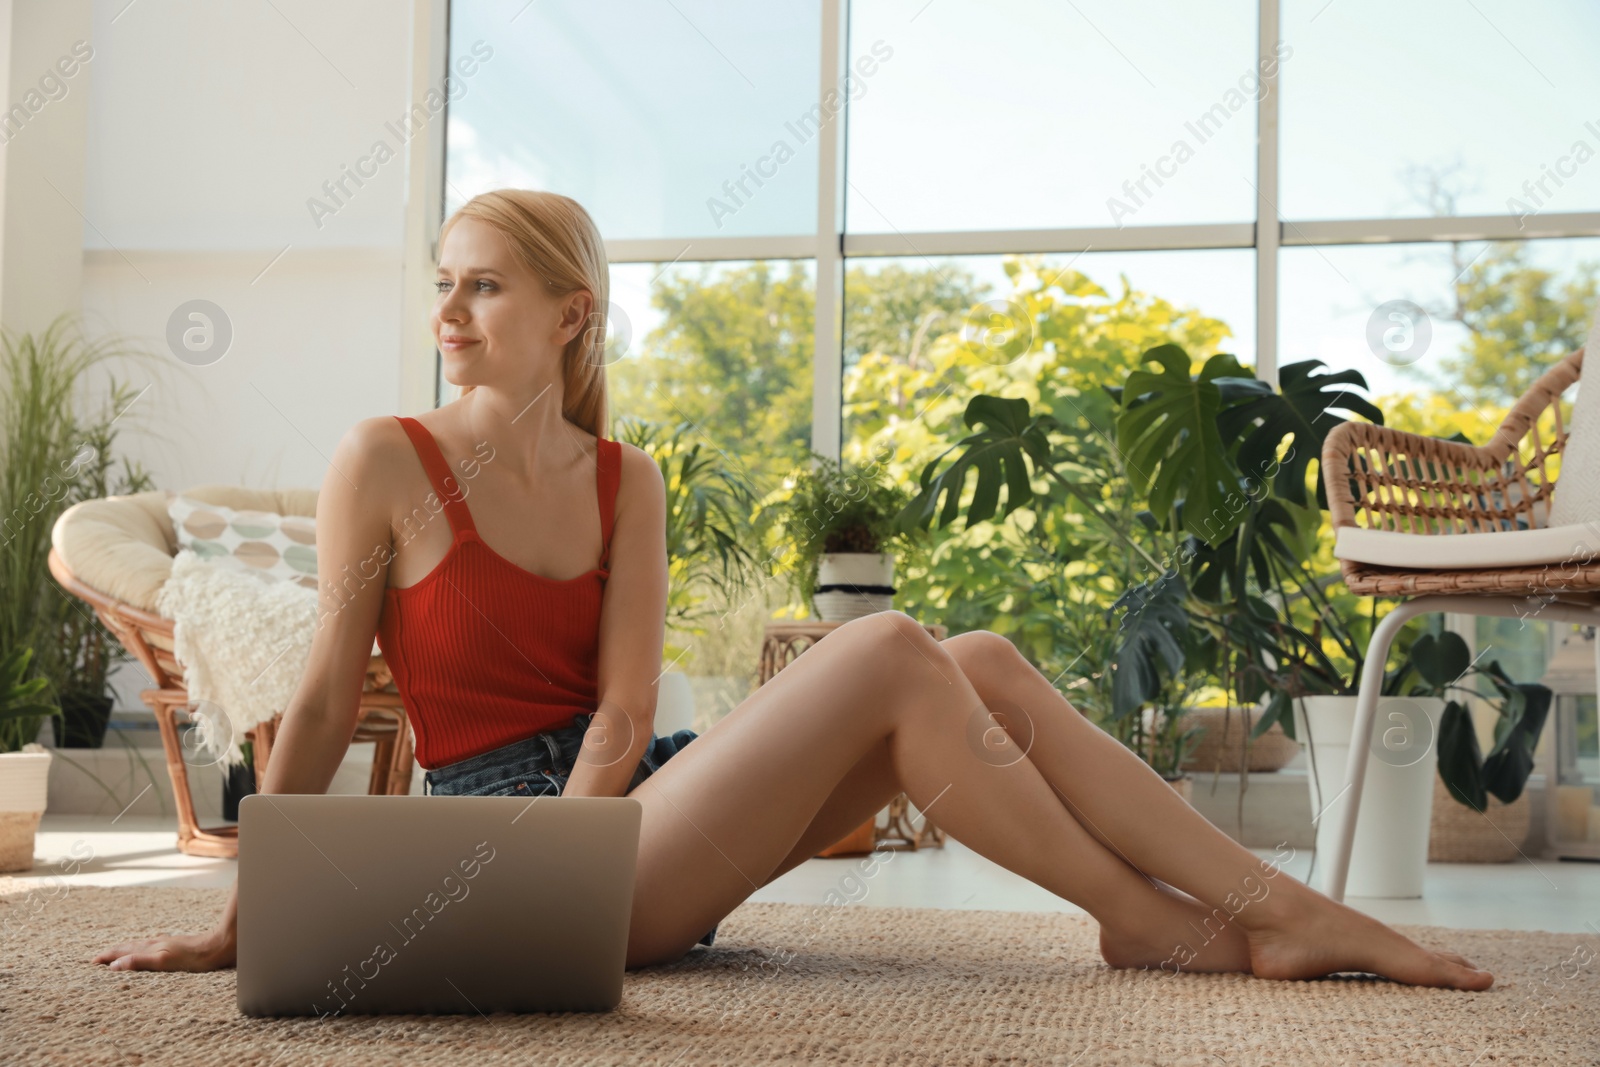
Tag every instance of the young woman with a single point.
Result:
(524, 624)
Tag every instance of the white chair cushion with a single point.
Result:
(1577, 495)
(123, 545)
(1575, 544)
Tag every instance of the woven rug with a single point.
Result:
(798, 984)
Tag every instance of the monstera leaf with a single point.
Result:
(1302, 409)
(1168, 431)
(1008, 436)
(1150, 641)
(1269, 529)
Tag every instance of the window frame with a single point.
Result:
(833, 244)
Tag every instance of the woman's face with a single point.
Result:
(496, 323)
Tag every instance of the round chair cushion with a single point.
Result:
(123, 546)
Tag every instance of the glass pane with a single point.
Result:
(1091, 311)
(686, 119)
(716, 356)
(1496, 95)
(726, 346)
(1448, 336)
(1038, 115)
(923, 337)
(1520, 646)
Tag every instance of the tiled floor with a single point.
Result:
(1561, 897)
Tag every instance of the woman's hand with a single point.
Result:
(173, 952)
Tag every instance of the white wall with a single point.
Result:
(210, 126)
(44, 61)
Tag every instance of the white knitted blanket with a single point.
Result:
(243, 642)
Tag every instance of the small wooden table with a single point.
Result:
(781, 643)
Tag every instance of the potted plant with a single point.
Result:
(709, 531)
(238, 781)
(1490, 814)
(1221, 570)
(86, 650)
(840, 523)
(56, 449)
(1224, 555)
(24, 763)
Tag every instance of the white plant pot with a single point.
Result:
(853, 569)
(24, 781)
(674, 704)
(1391, 843)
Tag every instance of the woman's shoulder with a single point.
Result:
(374, 440)
(377, 455)
(640, 476)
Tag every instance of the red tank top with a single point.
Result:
(483, 652)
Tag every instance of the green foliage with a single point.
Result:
(1058, 526)
(1213, 578)
(22, 699)
(56, 448)
(733, 358)
(898, 309)
(710, 524)
(1438, 664)
(1301, 412)
(1153, 631)
(1007, 431)
(1519, 320)
(837, 506)
(1168, 430)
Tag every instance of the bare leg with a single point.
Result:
(1292, 931)
(723, 814)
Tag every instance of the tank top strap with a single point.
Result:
(444, 483)
(608, 475)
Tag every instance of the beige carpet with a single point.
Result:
(797, 984)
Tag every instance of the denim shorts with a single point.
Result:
(539, 766)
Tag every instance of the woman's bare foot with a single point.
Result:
(1317, 937)
(1180, 934)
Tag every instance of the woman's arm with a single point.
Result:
(354, 546)
(632, 631)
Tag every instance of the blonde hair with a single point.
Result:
(554, 237)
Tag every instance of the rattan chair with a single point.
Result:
(1392, 493)
(149, 638)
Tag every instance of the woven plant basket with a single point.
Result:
(16, 839)
(1215, 752)
(1460, 835)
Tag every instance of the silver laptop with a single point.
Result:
(433, 905)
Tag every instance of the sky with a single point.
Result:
(1016, 114)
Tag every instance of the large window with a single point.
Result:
(808, 204)
(1034, 114)
(654, 116)
(1497, 90)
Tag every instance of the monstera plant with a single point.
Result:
(1222, 582)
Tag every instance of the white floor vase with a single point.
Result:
(1391, 844)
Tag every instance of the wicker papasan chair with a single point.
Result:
(116, 553)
